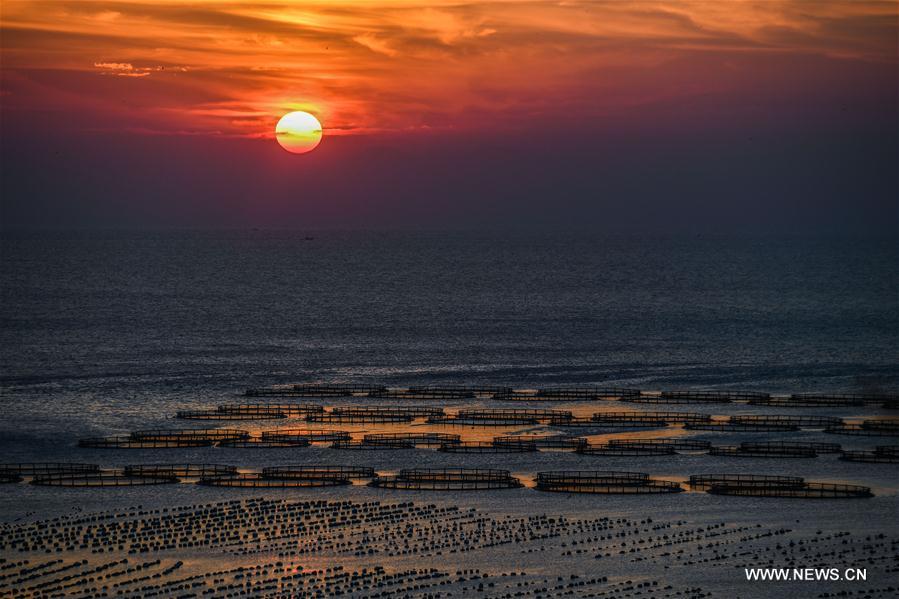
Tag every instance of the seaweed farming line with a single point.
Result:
(606, 482)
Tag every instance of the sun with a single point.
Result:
(298, 132)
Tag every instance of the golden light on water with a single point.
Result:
(298, 132)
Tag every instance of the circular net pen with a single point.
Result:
(413, 411)
(256, 443)
(456, 421)
(588, 422)
(513, 413)
(584, 393)
(416, 439)
(47, 468)
(217, 415)
(815, 446)
(426, 393)
(706, 481)
(626, 450)
(797, 421)
(676, 444)
(763, 451)
(9, 477)
(101, 479)
(487, 447)
(127, 442)
(713, 396)
(733, 427)
(291, 410)
(604, 482)
(449, 479)
(804, 491)
(649, 418)
(845, 399)
(179, 470)
(311, 435)
(258, 481)
(366, 446)
(868, 428)
(543, 441)
(189, 434)
(334, 418)
(318, 472)
(880, 455)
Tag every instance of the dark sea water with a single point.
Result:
(243, 308)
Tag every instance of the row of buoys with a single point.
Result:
(444, 479)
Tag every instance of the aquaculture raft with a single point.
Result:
(604, 482)
(706, 481)
(649, 418)
(417, 439)
(885, 454)
(179, 470)
(805, 491)
(259, 481)
(606, 449)
(487, 447)
(542, 441)
(101, 479)
(318, 472)
(47, 468)
(449, 479)
(311, 435)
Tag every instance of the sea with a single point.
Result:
(104, 333)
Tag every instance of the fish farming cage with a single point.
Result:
(335, 418)
(365, 446)
(128, 442)
(588, 422)
(498, 414)
(762, 451)
(317, 472)
(218, 415)
(604, 482)
(804, 491)
(706, 481)
(256, 443)
(421, 439)
(871, 457)
(311, 435)
(449, 479)
(591, 477)
(190, 434)
(315, 390)
(854, 399)
(259, 481)
(733, 427)
(413, 411)
(46, 468)
(579, 393)
(800, 421)
(487, 447)
(813, 445)
(101, 479)
(887, 450)
(676, 444)
(457, 421)
(543, 441)
(791, 402)
(651, 418)
(658, 399)
(426, 393)
(868, 428)
(179, 470)
(605, 449)
(290, 409)
(714, 396)
(9, 477)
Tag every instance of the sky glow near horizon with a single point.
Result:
(429, 72)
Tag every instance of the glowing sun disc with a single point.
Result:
(298, 132)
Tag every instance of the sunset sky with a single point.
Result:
(688, 114)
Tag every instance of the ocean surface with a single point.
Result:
(104, 330)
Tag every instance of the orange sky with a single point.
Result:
(231, 68)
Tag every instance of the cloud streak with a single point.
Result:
(232, 67)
